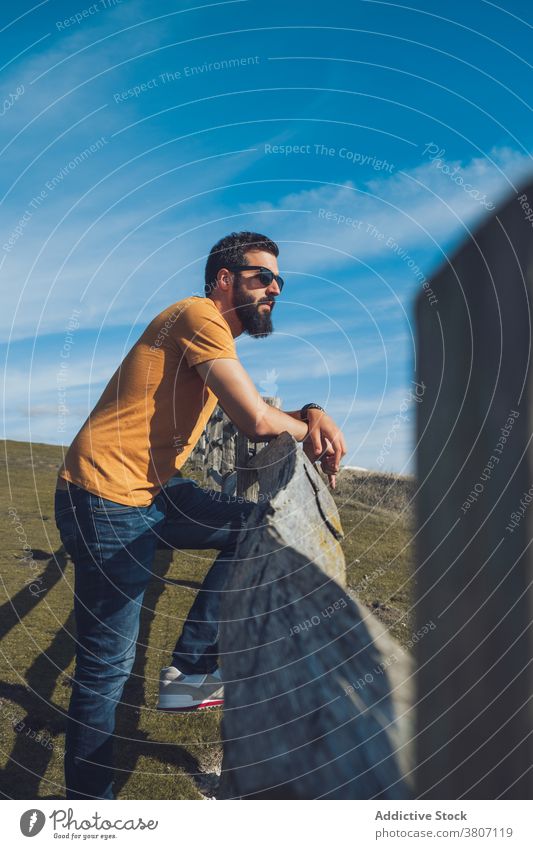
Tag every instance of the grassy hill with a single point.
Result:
(157, 756)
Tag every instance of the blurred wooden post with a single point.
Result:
(246, 450)
(474, 469)
(317, 696)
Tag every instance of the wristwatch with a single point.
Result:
(306, 407)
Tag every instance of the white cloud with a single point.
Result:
(420, 208)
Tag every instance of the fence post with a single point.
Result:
(317, 694)
(223, 454)
(247, 482)
(214, 453)
(474, 559)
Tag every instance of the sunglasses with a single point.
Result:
(266, 276)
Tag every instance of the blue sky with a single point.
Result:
(367, 139)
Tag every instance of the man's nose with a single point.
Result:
(273, 288)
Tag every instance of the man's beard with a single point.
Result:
(255, 322)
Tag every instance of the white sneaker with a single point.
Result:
(179, 692)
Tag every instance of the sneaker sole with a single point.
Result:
(198, 706)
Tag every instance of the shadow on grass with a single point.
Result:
(38, 718)
(13, 611)
(38, 721)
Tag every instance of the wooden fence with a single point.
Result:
(222, 455)
(317, 694)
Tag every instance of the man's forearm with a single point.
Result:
(274, 421)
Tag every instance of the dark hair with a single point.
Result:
(231, 251)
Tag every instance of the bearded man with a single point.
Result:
(119, 494)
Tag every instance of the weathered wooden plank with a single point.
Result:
(246, 450)
(222, 455)
(474, 462)
(301, 720)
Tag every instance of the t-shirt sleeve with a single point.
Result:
(202, 333)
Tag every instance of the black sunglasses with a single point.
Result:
(266, 276)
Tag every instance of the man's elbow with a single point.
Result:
(262, 432)
(260, 429)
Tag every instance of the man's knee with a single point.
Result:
(246, 509)
(105, 676)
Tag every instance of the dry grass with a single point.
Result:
(376, 490)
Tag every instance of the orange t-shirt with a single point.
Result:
(154, 409)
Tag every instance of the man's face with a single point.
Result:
(254, 302)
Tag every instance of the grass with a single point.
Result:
(376, 514)
(157, 756)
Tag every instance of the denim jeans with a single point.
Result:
(113, 547)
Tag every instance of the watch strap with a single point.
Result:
(306, 407)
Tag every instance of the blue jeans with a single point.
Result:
(113, 547)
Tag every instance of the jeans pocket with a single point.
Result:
(66, 523)
(117, 527)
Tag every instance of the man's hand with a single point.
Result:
(324, 442)
(326, 459)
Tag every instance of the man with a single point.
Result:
(113, 505)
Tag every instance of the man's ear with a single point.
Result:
(224, 279)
